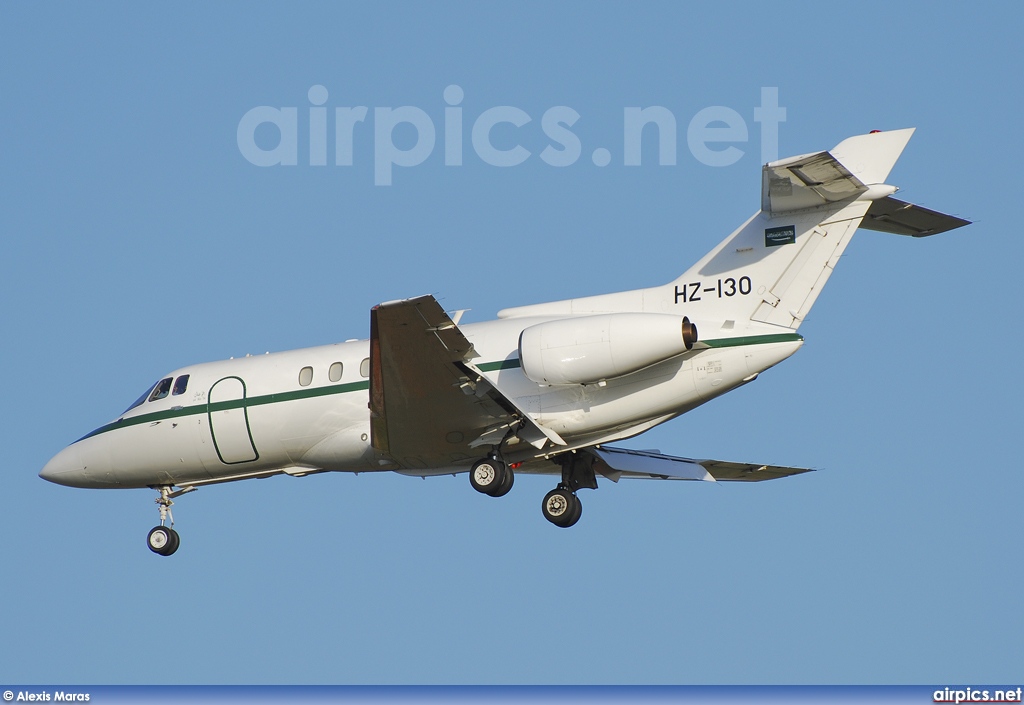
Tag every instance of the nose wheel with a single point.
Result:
(164, 540)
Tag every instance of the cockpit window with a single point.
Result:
(162, 388)
(139, 401)
(180, 385)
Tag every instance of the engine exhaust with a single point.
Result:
(689, 333)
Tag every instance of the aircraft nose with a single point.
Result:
(65, 468)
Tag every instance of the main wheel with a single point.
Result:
(561, 507)
(577, 512)
(488, 475)
(163, 540)
(506, 484)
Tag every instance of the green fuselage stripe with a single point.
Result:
(178, 412)
(294, 395)
(499, 365)
(753, 340)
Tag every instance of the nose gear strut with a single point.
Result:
(164, 540)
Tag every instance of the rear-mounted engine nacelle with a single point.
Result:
(591, 349)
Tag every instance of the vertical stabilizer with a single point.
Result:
(772, 269)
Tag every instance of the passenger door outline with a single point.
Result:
(229, 415)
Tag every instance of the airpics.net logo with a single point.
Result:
(715, 136)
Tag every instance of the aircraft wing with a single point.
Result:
(429, 404)
(615, 463)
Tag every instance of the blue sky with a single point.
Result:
(135, 238)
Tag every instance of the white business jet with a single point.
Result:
(542, 390)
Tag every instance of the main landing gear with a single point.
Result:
(492, 477)
(561, 506)
(164, 540)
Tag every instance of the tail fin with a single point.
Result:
(773, 267)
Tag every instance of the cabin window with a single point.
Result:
(305, 376)
(180, 385)
(364, 367)
(334, 374)
(162, 389)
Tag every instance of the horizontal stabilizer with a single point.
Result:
(891, 215)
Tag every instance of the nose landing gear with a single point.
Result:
(164, 540)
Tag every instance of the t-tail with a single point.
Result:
(772, 269)
(769, 272)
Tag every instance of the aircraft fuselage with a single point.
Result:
(262, 414)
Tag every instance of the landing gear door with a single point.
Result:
(229, 422)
